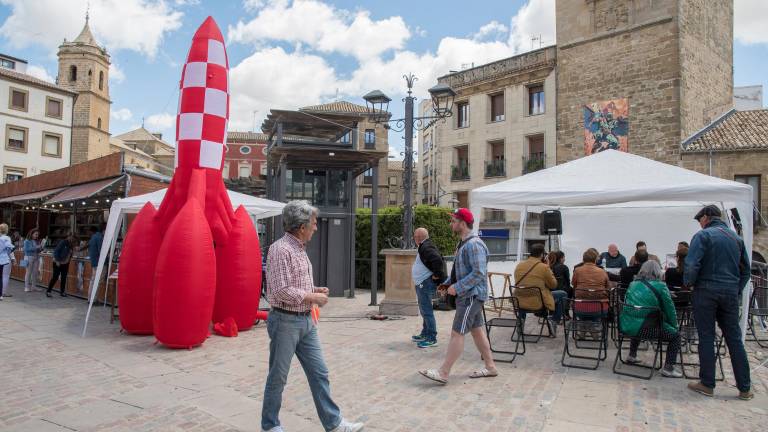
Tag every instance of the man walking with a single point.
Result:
(717, 268)
(292, 294)
(427, 272)
(471, 290)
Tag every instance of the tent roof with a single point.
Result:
(258, 207)
(609, 177)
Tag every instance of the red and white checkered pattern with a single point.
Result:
(201, 122)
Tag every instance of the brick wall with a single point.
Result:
(142, 185)
(728, 165)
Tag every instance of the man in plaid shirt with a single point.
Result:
(292, 293)
(469, 283)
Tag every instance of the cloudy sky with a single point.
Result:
(288, 54)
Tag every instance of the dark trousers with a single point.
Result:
(1, 279)
(712, 305)
(652, 333)
(59, 270)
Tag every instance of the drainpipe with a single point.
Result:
(710, 162)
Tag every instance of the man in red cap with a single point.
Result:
(469, 283)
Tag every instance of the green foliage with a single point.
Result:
(390, 220)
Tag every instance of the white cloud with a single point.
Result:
(122, 114)
(116, 74)
(161, 121)
(137, 25)
(492, 30)
(40, 73)
(322, 27)
(749, 19)
(272, 78)
(534, 19)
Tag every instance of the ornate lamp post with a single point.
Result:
(378, 107)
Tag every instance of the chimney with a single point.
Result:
(158, 135)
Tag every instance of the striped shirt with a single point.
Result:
(289, 275)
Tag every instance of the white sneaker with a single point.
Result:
(346, 426)
(632, 360)
(671, 373)
(274, 429)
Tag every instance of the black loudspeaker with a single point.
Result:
(551, 223)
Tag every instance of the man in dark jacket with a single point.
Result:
(717, 268)
(427, 273)
(627, 274)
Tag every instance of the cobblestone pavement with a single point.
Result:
(51, 379)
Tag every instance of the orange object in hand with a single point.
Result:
(315, 314)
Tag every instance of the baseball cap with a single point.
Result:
(710, 210)
(463, 214)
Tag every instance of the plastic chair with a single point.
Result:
(507, 318)
(648, 314)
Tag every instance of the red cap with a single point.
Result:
(463, 214)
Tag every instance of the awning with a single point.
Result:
(31, 196)
(83, 191)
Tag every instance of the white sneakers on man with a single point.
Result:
(346, 426)
(274, 429)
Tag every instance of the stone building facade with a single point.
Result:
(735, 147)
(503, 126)
(84, 68)
(671, 61)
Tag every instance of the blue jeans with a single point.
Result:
(424, 293)
(289, 335)
(557, 314)
(719, 305)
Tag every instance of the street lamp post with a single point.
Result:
(378, 107)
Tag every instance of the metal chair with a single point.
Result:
(648, 314)
(758, 311)
(534, 294)
(506, 318)
(580, 324)
(615, 295)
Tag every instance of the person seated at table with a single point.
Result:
(561, 271)
(647, 290)
(674, 275)
(627, 274)
(613, 258)
(642, 246)
(590, 282)
(533, 272)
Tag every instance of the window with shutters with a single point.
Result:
(53, 107)
(51, 144)
(16, 138)
(18, 99)
(497, 107)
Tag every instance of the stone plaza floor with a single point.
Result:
(51, 379)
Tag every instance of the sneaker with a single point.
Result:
(632, 360)
(747, 395)
(417, 338)
(346, 426)
(274, 429)
(700, 388)
(427, 344)
(671, 372)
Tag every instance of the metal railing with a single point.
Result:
(460, 171)
(534, 162)
(495, 168)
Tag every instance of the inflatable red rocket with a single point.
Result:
(194, 260)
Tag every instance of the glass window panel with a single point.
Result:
(18, 99)
(51, 145)
(53, 108)
(337, 188)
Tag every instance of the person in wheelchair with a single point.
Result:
(647, 290)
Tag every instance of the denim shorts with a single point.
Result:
(469, 314)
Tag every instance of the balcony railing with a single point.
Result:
(495, 168)
(460, 171)
(534, 162)
(494, 216)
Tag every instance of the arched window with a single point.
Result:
(73, 73)
(98, 123)
(101, 80)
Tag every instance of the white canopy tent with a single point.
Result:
(257, 208)
(617, 197)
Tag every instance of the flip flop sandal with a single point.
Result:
(434, 375)
(483, 373)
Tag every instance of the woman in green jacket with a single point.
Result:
(649, 291)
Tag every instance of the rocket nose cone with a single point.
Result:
(209, 30)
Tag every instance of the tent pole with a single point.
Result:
(521, 233)
(109, 260)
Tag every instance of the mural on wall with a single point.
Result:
(606, 126)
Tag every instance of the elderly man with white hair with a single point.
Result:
(292, 294)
